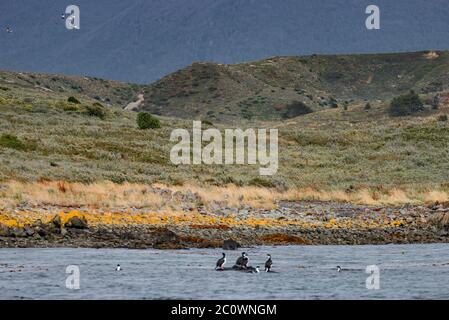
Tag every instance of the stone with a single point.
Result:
(4, 231)
(76, 223)
(231, 245)
(57, 221)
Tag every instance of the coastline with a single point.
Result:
(305, 222)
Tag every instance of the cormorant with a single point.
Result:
(221, 262)
(268, 263)
(242, 261)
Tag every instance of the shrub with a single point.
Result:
(96, 110)
(207, 122)
(405, 104)
(67, 106)
(295, 109)
(260, 182)
(11, 141)
(147, 121)
(442, 117)
(73, 100)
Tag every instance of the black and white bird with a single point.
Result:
(268, 263)
(8, 30)
(118, 268)
(253, 270)
(338, 269)
(221, 262)
(63, 16)
(242, 261)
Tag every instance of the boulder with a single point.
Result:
(57, 221)
(231, 245)
(76, 223)
(164, 238)
(4, 231)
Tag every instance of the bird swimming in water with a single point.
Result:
(253, 270)
(242, 261)
(268, 263)
(118, 268)
(8, 30)
(221, 262)
(338, 269)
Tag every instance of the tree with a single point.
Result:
(295, 109)
(405, 104)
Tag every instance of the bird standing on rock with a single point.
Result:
(242, 261)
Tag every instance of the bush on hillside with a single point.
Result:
(146, 120)
(95, 110)
(405, 105)
(12, 142)
(73, 100)
(295, 109)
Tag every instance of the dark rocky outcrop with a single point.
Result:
(230, 245)
(76, 223)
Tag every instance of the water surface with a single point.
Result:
(302, 272)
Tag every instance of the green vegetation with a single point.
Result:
(405, 105)
(11, 141)
(73, 100)
(295, 109)
(147, 121)
(95, 110)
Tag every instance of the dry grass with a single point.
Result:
(369, 197)
(108, 195)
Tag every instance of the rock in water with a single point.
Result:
(231, 245)
(76, 223)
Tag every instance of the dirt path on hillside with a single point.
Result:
(134, 106)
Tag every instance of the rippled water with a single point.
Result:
(406, 271)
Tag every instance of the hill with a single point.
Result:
(268, 89)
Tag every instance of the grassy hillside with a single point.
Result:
(265, 90)
(43, 137)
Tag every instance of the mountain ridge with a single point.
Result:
(264, 89)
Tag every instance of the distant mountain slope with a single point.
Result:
(266, 89)
(36, 86)
(141, 41)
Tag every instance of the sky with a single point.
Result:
(143, 40)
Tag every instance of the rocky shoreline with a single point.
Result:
(299, 222)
